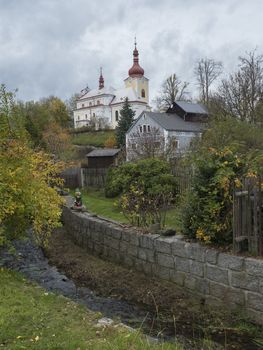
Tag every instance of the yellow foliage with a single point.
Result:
(27, 193)
(110, 142)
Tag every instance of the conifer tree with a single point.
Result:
(124, 123)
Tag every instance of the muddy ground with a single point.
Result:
(173, 310)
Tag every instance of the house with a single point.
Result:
(102, 105)
(155, 132)
(103, 158)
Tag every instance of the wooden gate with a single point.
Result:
(248, 216)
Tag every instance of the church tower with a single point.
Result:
(136, 78)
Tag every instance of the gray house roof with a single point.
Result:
(106, 152)
(189, 107)
(173, 122)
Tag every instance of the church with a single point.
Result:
(103, 105)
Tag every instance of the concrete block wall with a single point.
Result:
(217, 277)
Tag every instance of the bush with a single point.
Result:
(147, 188)
(207, 212)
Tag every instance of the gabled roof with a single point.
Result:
(190, 107)
(97, 92)
(105, 152)
(173, 122)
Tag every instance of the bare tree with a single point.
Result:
(172, 89)
(206, 72)
(243, 90)
(151, 145)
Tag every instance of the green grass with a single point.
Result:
(92, 138)
(96, 202)
(31, 318)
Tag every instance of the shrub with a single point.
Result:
(207, 212)
(147, 188)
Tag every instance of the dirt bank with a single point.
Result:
(172, 308)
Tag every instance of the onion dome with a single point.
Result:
(101, 80)
(136, 70)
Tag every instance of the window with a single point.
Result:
(175, 143)
(86, 116)
(83, 105)
(133, 145)
(143, 93)
(98, 102)
(144, 128)
(148, 128)
(78, 117)
(90, 104)
(140, 128)
(116, 116)
(93, 115)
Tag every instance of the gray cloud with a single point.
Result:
(56, 47)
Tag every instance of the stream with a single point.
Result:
(30, 260)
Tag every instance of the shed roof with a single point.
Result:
(105, 152)
(190, 107)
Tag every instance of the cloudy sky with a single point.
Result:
(55, 47)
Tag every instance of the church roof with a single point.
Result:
(97, 92)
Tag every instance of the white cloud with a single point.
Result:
(56, 47)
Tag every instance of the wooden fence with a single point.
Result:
(184, 176)
(72, 178)
(94, 177)
(248, 216)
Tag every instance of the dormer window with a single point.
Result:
(143, 93)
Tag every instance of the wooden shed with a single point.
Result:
(103, 158)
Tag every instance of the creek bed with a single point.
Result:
(31, 261)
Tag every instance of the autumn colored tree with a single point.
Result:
(28, 197)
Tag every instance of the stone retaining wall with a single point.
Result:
(217, 277)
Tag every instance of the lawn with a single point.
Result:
(31, 318)
(92, 138)
(96, 202)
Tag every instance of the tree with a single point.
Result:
(172, 89)
(71, 105)
(206, 72)
(151, 145)
(243, 90)
(28, 197)
(124, 123)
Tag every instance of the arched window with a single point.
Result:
(116, 116)
(143, 93)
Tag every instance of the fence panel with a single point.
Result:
(94, 177)
(72, 178)
(247, 216)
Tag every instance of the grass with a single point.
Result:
(96, 202)
(92, 138)
(31, 318)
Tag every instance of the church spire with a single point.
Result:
(101, 80)
(136, 70)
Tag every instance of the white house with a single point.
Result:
(105, 103)
(155, 130)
